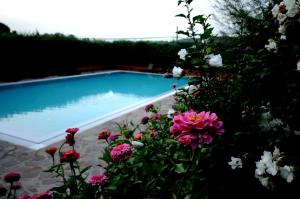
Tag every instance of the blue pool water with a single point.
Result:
(35, 112)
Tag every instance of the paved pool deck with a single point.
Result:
(31, 164)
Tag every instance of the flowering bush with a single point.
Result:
(218, 136)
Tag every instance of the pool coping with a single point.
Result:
(85, 125)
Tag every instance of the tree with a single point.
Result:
(4, 28)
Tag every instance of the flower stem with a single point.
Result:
(9, 193)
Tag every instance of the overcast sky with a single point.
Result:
(97, 18)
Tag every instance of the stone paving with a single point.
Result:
(31, 164)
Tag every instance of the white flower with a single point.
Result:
(292, 8)
(177, 71)
(264, 181)
(275, 11)
(191, 89)
(182, 53)
(215, 60)
(170, 113)
(260, 168)
(272, 46)
(272, 168)
(137, 144)
(286, 173)
(235, 163)
(298, 65)
(276, 152)
(283, 37)
(282, 29)
(281, 18)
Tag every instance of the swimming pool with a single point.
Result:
(36, 113)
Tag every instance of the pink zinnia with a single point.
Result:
(12, 177)
(153, 134)
(113, 137)
(195, 128)
(97, 180)
(121, 152)
(72, 130)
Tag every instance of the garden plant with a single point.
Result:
(233, 132)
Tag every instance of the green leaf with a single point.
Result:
(188, 196)
(183, 33)
(180, 168)
(179, 2)
(199, 19)
(180, 15)
(85, 169)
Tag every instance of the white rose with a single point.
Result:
(292, 8)
(177, 71)
(137, 144)
(286, 173)
(191, 89)
(281, 18)
(235, 163)
(298, 65)
(275, 11)
(282, 29)
(215, 60)
(182, 53)
(171, 113)
(272, 46)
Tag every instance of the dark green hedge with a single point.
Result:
(33, 56)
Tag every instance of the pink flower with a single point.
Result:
(72, 130)
(121, 152)
(112, 137)
(12, 177)
(174, 85)
(97, 180)
(156, 117)
(25, 196)
(153, 134)
(44, 195)
(148, 107)
(195, 128)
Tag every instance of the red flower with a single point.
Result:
(70, 139)
(145, 120)
(103, 135)
(138, 136)
(51, 150)
(72, 130)
(69, 156)
(16, 185)
(12, 177)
